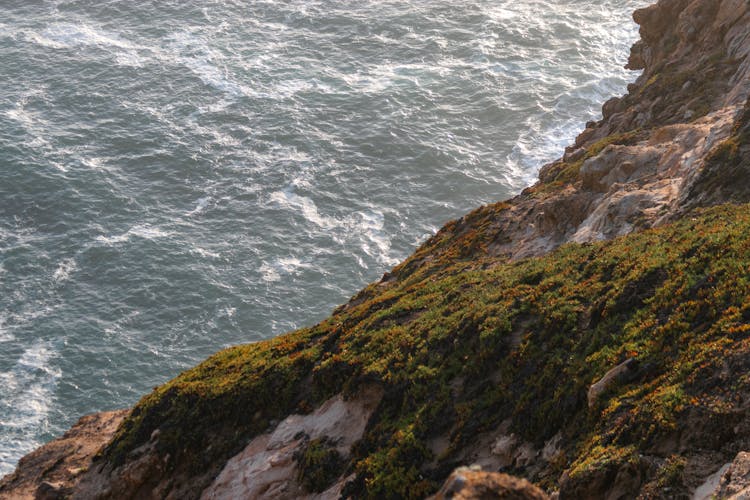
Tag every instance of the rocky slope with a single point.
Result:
(53, 470)
(611, 367)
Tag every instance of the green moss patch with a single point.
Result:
(319, 465)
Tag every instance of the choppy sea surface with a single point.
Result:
(181, 176)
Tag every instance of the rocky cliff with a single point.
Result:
(591, 335)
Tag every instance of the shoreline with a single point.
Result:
(499, 344)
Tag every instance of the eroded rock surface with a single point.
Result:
(54, 470)
(269, 466)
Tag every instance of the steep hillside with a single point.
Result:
(491, 364)
(590, 334)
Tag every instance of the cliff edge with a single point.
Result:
(591, 334)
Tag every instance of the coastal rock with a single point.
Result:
(139, 474)
(617, 164)
(552, 450)
(269, 466)
(615, 481)
(709, 489)
(735, 482)
(53, 470)
(656, 21)
(466, 484)
(505, 449)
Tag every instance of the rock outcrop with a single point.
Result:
(622, 373)
(468, 484)
(735, 481)
(278, 464)
(53, 471)
(651, 157)
(611, 368)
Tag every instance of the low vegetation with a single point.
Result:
(464, 343)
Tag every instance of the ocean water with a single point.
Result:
(181, 176)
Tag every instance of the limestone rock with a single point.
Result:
(552, 448)
(618, 164)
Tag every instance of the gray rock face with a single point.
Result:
(618, 165)
(735, 483)
(268, 467)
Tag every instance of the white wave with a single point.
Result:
(225, 140)
(20, 115)
(117, 326)
(378, 78)
(5, 335)
(288, 199)
(214, 76)
(31, 123)
(140, 231)
(62, 273)
(283, 266)
(193, 51)
(375, 241)
(68, 35)
(26, 393)
(130, 58)
(288, 88)
(363, 228)
(93, 162)
(368, 83)
(269, 273)
(183, 48)
(65, 35)
(200, 206)
(36, 128)
(204, 253)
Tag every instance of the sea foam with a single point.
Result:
(26, 395)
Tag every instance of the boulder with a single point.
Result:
(466, 483)
(619, 374)
(735, 483)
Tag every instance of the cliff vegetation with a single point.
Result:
(461, 348)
